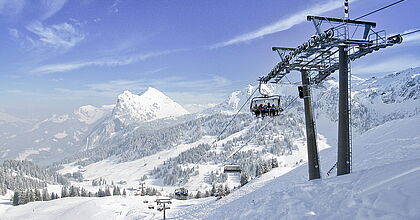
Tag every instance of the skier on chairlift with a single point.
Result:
(256, 110)
(273, 110)
(261, 110)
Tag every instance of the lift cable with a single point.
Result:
(227, 125)
(262, 128)
(411, 32)
(372, 12)
(380, 9)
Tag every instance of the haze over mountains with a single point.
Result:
(150, 138)
(375, 101)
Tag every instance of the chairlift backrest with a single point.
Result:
(232, 169)
(265, 100)
(266, 106)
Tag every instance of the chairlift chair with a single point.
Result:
(259, 106)
(181, 193)
(232, 168)
(265, 105)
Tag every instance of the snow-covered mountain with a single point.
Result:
(374, 101)
(150, 110)
(51, 139)
(166, 152)
(59, 136)
(171, 149)
(148, 106)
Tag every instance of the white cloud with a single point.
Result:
(51, 7)
(283, 24)
(63, 35)
(14, 33)
(11, 7)
(210, 90)
(212, 82)
(115, 6)
(387, 66)
(110, 61)
(48, 7)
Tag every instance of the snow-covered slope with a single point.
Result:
(129, 144)
(283, 138)
(90, 114)
(383, 185)
(150, 105)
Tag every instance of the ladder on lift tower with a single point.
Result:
(350, 119)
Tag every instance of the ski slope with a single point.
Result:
(384, 185)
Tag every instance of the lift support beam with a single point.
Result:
(313, 161)
(343, 158)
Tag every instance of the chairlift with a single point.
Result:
(181, 194)
(266, 105)
(232, 168)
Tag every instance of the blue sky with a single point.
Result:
(59, 54)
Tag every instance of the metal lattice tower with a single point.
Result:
(330, 49)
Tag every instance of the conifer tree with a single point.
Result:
(45, 195)
(64, 192)
(16, 198)
(38, 196)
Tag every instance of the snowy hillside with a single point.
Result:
(171, 149)
(382, 186)
(114, 144)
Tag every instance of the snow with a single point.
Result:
(150, 105)
(25, 154)
(61, 135)
(384, 185)
(59, 118)
(90, 114)
(80, 208)
(132, 171)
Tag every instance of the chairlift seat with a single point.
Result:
(232, 168)
(259, 104)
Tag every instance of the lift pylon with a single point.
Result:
(325, 52)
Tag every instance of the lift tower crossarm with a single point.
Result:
(340, 20)
(319, 52)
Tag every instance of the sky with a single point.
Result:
(57, 55)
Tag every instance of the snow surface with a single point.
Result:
(61, 135)
(384, 185)
(90, 114)
(150, 105)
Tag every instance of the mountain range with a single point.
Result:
(136, 121)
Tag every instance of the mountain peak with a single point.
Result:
(90, 114)
(147, 106)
